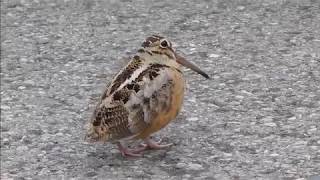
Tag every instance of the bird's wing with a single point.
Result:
(109, 122)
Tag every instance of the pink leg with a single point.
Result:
(151, 144)
(127, 152)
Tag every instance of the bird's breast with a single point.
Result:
(176, 97)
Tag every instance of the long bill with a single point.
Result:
(181, 60)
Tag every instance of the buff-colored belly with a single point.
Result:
(163, 118)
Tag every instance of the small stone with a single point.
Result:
(274, 155)
(21, 87)
(246, 92)
(292, 118)
(315, 116)
(4, 107)
(180, 165)
(187, 176)
(195, 167)
(312, 130)
(91, 174)
(267, 119)
(239, 97)
(192, 119)
(300, 143)
(241, 8)
(192, 49)
(5, 141)
(214, 55)
(43, 40)
(252, 77)
(23, 59)
(218, 102)
(26, 140)
(30, 82)
(314, 147)
(227, 154)
(192, 99)
(271, 124)
(22, 149)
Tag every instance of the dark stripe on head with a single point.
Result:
(165, 53)
(178, 70)
(149, 53)
(150, 40)
(156, 52)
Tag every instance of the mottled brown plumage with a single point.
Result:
(142, 98)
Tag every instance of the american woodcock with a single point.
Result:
(142, 98)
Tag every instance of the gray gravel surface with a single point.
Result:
(257, 118)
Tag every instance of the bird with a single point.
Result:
(145, 96)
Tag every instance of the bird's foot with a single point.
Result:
(128, 152)
(151, 144)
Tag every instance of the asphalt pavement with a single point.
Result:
(258, 117)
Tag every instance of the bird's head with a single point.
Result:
(158, 45)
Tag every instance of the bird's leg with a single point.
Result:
(151, 144)
(127, 152)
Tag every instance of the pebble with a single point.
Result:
(192, 119)
(195, 167)
(43, 40)
(312, 130)
(227, 154)
(22, 149)
(292, 118)
(274, 155)
(30, 82)
(252, 77)
(241, 8)
(214, 55)
(180, 165)
(239, 97)
(23, 59)
(5, 141)
(267, 119)
(300, 143)
(246, 92)
(192, 99)
(91, 174)
(271, 124)
(4, 107)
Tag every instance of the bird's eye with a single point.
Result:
(164, 43)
